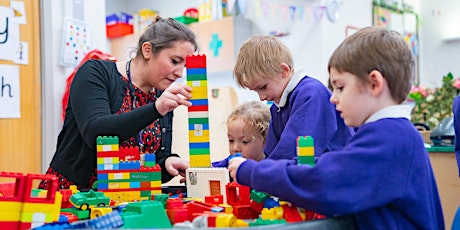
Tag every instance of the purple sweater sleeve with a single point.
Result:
(382, 173)
(456, 111)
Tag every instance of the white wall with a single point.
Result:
(439, 20)
(53, 13)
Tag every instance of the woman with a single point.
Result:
(132, 100)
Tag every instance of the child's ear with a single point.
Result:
(377, 82)
(286, 70)
(147, 50)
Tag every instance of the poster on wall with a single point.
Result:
(76, 42)
(9, 34)
(9, 92)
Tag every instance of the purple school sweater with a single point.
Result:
(307, 112)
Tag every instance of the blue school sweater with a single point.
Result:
(456, 111)
(305, 110)
(383, 176)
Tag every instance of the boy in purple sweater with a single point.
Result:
(301, 104)
(383, 176)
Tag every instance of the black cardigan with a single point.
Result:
(96, 94)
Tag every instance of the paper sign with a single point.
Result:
(19, 12)
(22, 53)
(9, 34)
(9, 92)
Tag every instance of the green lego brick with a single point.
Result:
(305, 141)
(149, 164)
(163, 198)
(202, 151)
(258, 197)
(81, 215)
(196, 77)
(146, 193)
(143, 176)
(198, 121)
(107, 140)
(145, 214)
(302, 160)
(259, 221)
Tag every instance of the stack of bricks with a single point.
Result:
(122, 175)
(198, 115)
(305, 150)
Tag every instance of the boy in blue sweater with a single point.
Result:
(383, 176)
(301, 104)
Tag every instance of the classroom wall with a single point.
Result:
(439, 41)
(53, 13)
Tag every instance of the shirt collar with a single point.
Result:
(298, 76)
(394, 111)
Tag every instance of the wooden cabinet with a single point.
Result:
(446, 173)
(220, 40)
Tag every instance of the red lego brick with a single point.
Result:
(257, 206)
(197, 207)
(245, 212)
(238, 194)
(214, 200)
(291, 214)
(195, 61)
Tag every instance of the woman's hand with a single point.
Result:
(176, 166)
(233, 166)
(173, 96)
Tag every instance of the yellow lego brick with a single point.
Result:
(117, 176)
(200, 161)
(199, 95)
(242, 223)
(197, 83)
(155, 184)
(195, 139)
(106, 148)
(125, 185)
(124, 196)
(305, 151)
(156, 191)
(198, 133)
(114, 185)
(10, 211)
(227, 208)
(226, 220)
(275, 213)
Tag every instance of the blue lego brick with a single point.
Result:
(135, 184)
(129, 165)
(270, 203)
(199, 145)
(107, 221)
(150, 157)
(196, 71)
(192, 126)
(102, 185)
(199, 102)
(102, 176)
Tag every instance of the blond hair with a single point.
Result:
(374, 48)
(254, 114)
(260, 57)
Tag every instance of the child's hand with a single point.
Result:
(233, 166)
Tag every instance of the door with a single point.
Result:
(20, 138)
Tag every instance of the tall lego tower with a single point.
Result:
(198, 115)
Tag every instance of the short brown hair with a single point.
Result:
(259, 57)
(374, 48)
